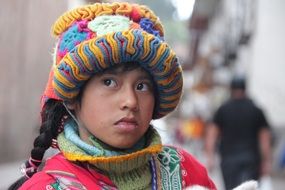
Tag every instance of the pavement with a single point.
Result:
(9, 173)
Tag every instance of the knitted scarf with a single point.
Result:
(125, 168)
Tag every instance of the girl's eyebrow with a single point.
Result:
(144, 77)
(120, 71)
(112, 71)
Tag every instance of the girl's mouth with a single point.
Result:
(126, 124)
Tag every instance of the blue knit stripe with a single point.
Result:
(138, 45)
(85, 66)
(70, 134)
(80, 73)
(154, 44)
(92, 59)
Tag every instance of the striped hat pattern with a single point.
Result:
(95, 37)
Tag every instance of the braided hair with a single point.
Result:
(53, 116)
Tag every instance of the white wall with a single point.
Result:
(267, 69)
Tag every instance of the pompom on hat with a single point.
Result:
(95, 37)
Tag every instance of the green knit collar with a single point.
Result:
(125, 170)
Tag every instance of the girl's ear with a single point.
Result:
(71, 105)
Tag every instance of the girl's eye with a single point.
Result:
(143, 87)
(109, 82)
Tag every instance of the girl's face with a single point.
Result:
(116, 107)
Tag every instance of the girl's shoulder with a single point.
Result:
(43, 179)
(176, 163)
(58, 172)
(40, 180)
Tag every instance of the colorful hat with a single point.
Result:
(95, 37)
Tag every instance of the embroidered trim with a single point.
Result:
(65, 180)
(170, 169)
(158, 172)
(153, 173)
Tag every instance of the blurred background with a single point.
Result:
(214, 39)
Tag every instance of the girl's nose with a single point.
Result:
(129, 99)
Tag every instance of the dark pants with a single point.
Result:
(238, 169)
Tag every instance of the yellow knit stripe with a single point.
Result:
(130, 41)
(63, 93)
(82, 157)
(84, 57)
(123, 9)
(146, 45)
(173, 97)
(115, 49)
(97, 52)
(84, 13)
(63, 79)
(104, 10)
(160, 51)
(89, 12)
(167, 64)
(170, 78)
(169, 105)
(75, 69)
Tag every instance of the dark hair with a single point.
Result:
(53, 116)
(238, 83)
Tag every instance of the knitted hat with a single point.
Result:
(95, 37)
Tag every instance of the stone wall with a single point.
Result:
(25, 57)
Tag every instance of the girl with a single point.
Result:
(112, 74)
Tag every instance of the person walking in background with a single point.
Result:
(112, 74)
(244, 135)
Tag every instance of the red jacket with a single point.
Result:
(57, 168)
